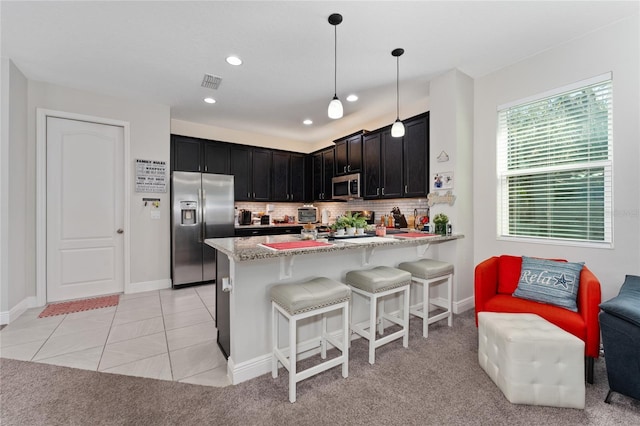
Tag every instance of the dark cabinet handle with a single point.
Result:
(349, 168)
(377, 191)
(383, 191)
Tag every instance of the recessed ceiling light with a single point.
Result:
(234, 60)
(307, 122)
(352, 98)
(210, 100)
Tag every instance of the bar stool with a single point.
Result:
(297, 301)
(427, 272)
(376, 284)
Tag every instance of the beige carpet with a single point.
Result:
(436, 381)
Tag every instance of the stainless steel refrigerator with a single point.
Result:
(202, 207)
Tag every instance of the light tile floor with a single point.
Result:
(165, 334)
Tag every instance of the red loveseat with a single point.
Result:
(497, 278)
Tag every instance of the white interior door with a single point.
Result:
(85, 209)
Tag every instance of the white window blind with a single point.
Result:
(554, 165)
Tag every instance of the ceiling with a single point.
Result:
(160, 51)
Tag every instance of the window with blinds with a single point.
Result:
(554, 165)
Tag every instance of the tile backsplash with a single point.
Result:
(380, 207)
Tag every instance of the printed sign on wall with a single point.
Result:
(151, 176)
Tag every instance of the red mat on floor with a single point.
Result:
(79, 305)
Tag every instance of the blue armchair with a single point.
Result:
(620, 326)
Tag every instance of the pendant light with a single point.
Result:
(397, 130)
(335, 106)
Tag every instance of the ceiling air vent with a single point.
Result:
(211, 81)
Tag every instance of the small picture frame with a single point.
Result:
(442, 180)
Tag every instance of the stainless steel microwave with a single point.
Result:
(345, 187)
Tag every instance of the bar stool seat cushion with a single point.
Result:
(427, 268)
(378, 279)
(307, 296)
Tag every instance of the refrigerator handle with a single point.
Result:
(204, 216)
(200, 212)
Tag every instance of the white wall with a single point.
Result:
(614, 48)
(451, 130)
(4, 187)
(149, 132)
(14, 230)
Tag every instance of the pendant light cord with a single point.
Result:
(335, 60)
(398, 87)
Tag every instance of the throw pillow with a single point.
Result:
(549, 281)
(626, 304)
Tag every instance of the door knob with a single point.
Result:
(120, 231)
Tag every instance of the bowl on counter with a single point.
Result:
(308, 234)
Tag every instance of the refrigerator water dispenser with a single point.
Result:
(188, 212)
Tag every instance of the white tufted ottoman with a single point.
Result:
(531, 360)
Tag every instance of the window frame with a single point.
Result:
(503, 220)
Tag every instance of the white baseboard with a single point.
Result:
(262, 365)
(464, 305)
(6, 317)
(249, 369)
(147, 286)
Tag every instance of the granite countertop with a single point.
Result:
(242, 249)
(271, 225)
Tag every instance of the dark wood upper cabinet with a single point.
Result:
(240, 168)
(281, 176)
(216, 157)
(391, 165)
(298, 178)
(186, 154)
(416, 157)
(382, 165)
(371, 183)
(323, 169)
(397, 167)
(261, 179)
(190, 154)
(288, 177)
(348, 154)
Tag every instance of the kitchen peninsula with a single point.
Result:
(247, 269)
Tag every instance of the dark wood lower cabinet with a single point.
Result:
(253, 231)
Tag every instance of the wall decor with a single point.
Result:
(443, 157)
(443, 180)
(436, 198)
(151, 176)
